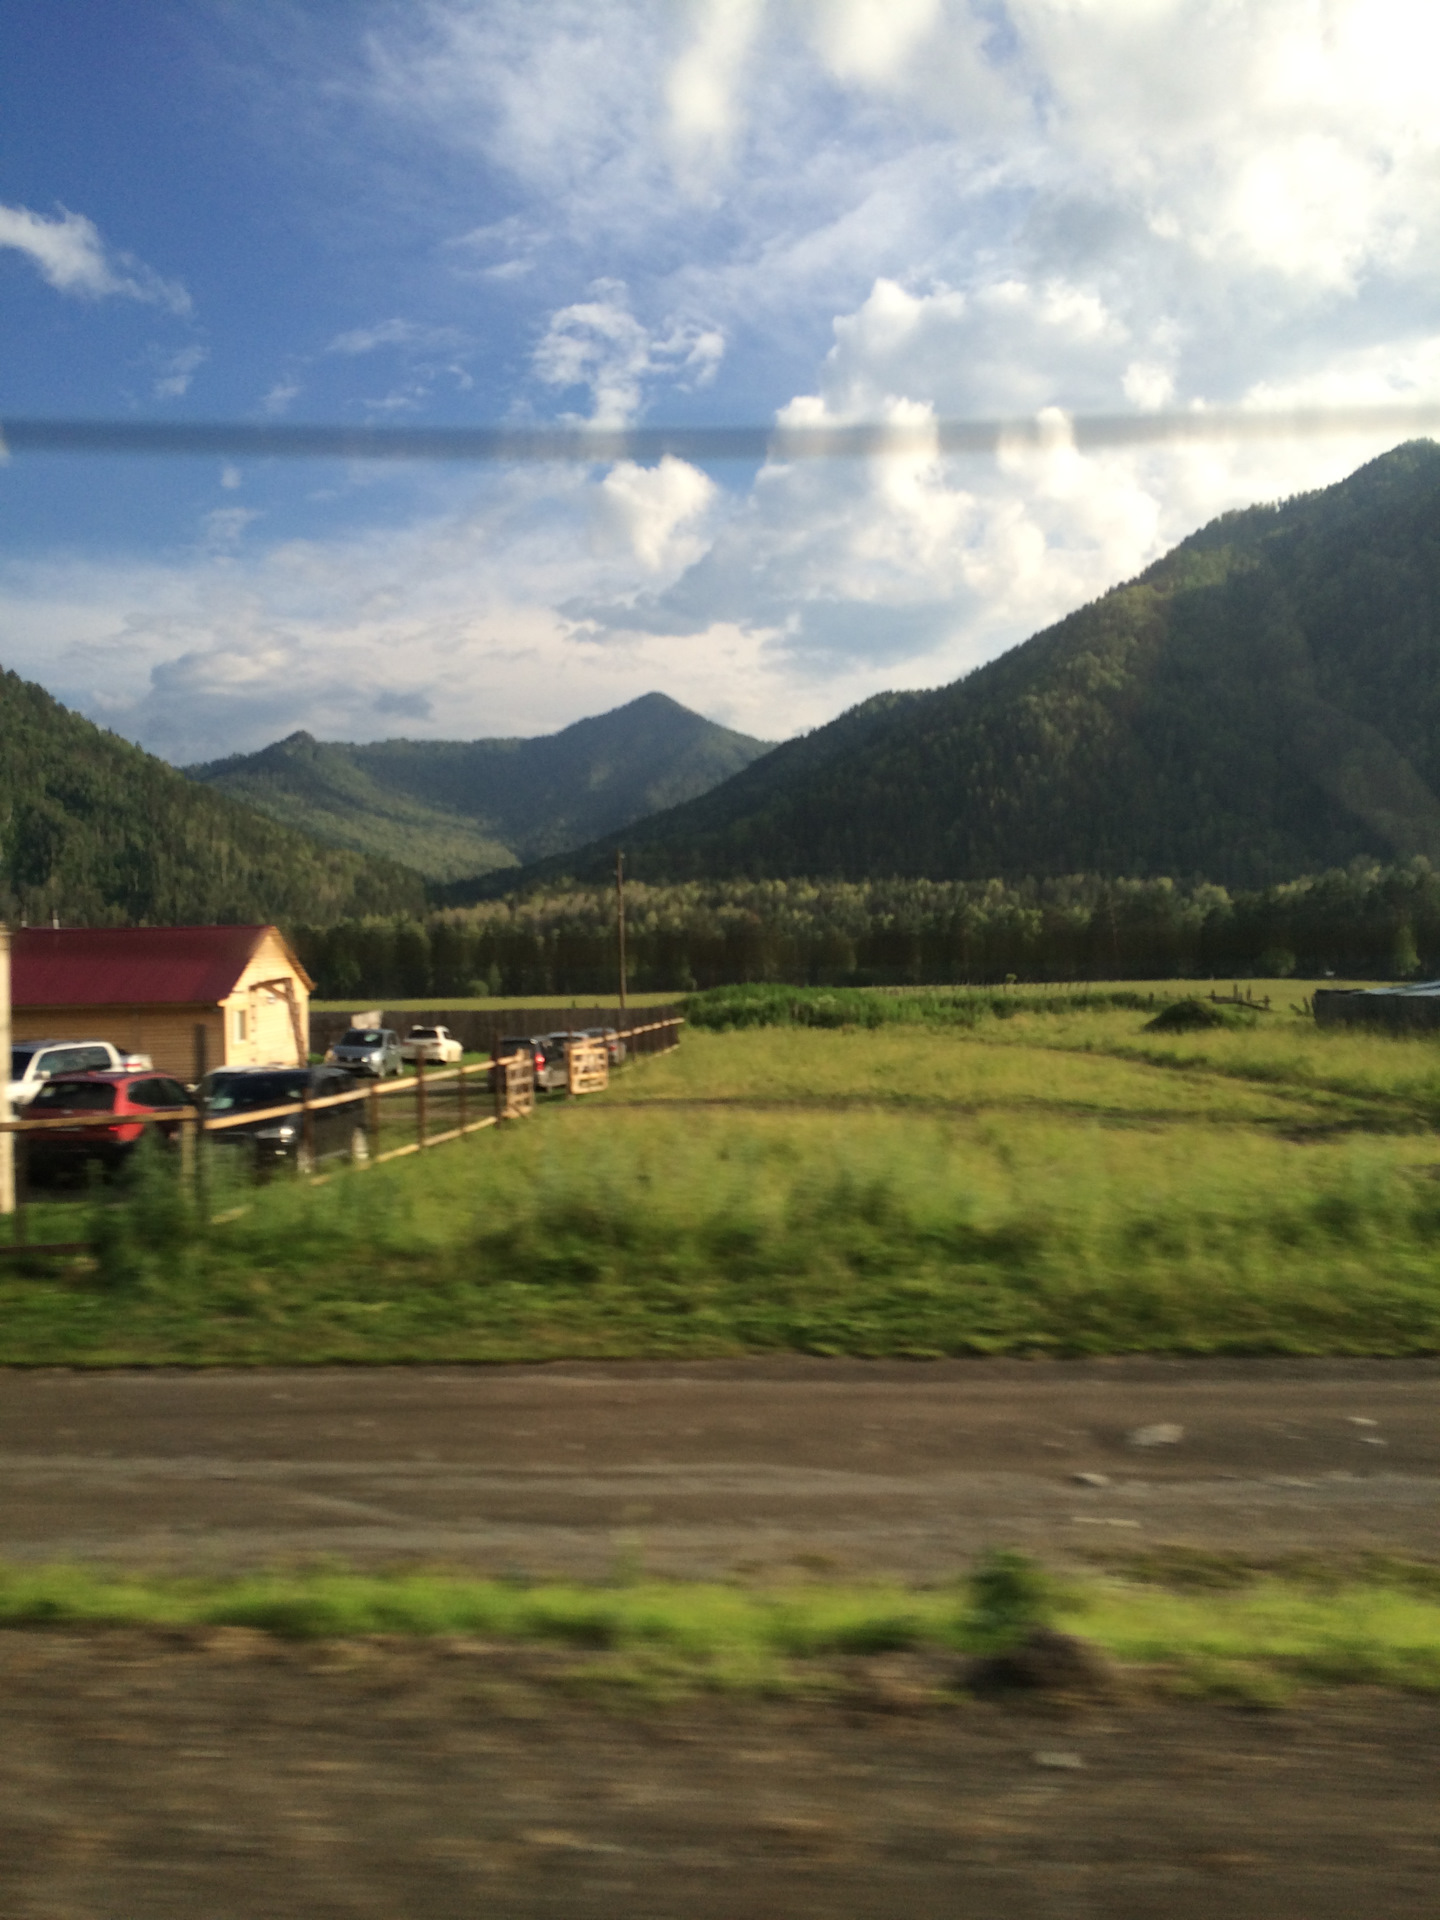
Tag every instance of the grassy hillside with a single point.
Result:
(1262, 702)
(452, 808)
(94, 830)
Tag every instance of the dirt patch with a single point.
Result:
(231, 1775)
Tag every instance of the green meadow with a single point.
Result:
(950, 1179)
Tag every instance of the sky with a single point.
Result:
(654, 212)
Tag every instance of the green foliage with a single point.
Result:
(1263, 701)
(95, 831)
(453, 808)
(1009, 1597)
(1364, 922)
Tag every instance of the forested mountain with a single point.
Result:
(96, 831)
(456, 807)
(1262, 702)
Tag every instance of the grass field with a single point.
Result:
(1254, 1635)
(1055, 1180)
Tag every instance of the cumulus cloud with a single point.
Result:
(72, 257)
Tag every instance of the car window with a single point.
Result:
(158, 1093)
(364, 1037)
(92, 1060)
(424, 1033)
(74, 1096)
(20, 1058)
(243, 1093)
(56, 1061)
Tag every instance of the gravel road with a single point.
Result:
(711, 1468)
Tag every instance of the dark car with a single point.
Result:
(111, 1112)
(334, 1132)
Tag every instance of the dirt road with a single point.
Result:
(230, 1775)
(710, 1468)
(241, 1779)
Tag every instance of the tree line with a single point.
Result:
(1366, 921)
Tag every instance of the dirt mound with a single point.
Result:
(1187, 1016)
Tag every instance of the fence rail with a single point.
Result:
(441, 1111)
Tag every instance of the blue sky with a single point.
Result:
(474, 211)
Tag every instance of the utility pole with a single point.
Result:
(620, 916)
(7, 1140)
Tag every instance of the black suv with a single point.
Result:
(335, 1132)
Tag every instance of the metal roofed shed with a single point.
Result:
(1400, 1009)
(158, 990)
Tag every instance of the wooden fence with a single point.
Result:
(428, 1109)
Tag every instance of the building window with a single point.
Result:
(239, 1023)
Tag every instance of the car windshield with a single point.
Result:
(74, 1096)
(424, 1033)
(20, 1058)
(363, 1037)
(241, 1093)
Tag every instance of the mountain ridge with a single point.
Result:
(95, 830)
(1262, 701)
(457, 808)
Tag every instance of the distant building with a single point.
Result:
(191, 997)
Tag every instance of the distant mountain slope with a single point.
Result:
(457, 807)
(95, 830)
(1262, 702)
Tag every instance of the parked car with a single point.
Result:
(614, 1042)
(547, 1053)
(436, 1046)
(338, 1132)
(33, 1062)
(101, 1106)
(371, 1051)
(554, 1076)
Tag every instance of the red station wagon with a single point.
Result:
(93, 1099)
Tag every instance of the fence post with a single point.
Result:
(460, 1091)
(373, 1120)
(307, 1131)
(421, 1103)
(20, 1187)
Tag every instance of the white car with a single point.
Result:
(436, 1046)
(33, 1062)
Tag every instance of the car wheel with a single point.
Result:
(359, 1147)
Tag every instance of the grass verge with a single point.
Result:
(1259, 1638)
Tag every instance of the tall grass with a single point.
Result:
(902, 1191)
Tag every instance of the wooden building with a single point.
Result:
(193, 998)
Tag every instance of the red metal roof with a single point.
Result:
(130, 966)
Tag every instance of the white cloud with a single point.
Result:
(178, 370)
(74, 259)
(395, 333)
(277, 400)
(657, 510)
(599, 344)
